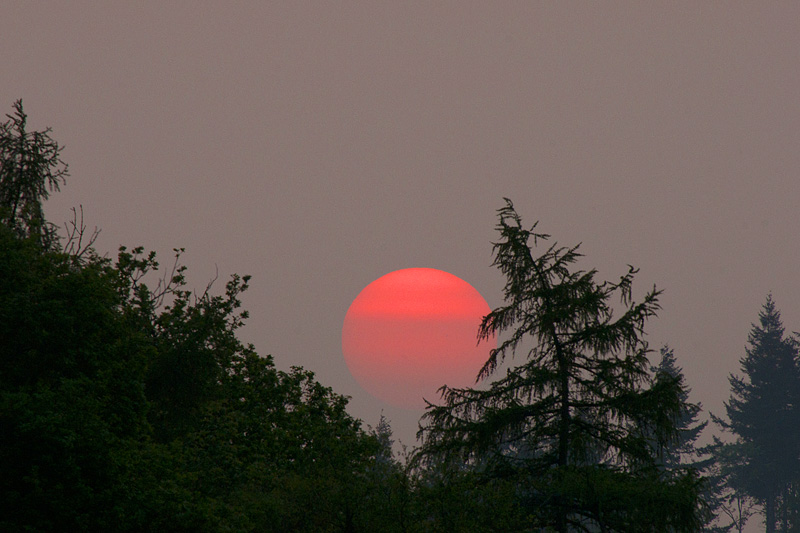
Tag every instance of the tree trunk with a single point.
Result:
(785, 509)
(770, 512)
(565, 421)
(563, 434)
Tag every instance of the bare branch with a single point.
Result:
(75, 234)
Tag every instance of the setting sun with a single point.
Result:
(412, 331)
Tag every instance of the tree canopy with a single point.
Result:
(31, 168)
(763, 413)
(578, 425)
(129, 403)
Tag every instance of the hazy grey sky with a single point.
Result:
(318, 146)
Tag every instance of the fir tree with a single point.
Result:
(30, 167)
(577, 426)
(764, 416)
(683, 452)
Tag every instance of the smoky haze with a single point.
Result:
(318, 148)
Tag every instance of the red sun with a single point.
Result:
(412, 331)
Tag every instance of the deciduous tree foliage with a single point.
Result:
(578, 425)
(133, 407)
(70, 390)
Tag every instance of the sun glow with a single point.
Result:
(412, 331)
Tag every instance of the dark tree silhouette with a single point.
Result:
(764, 415)
(128, 407)
(579, 424)
(30, 167)
(683, 450)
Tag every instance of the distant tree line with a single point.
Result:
(127, 403)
